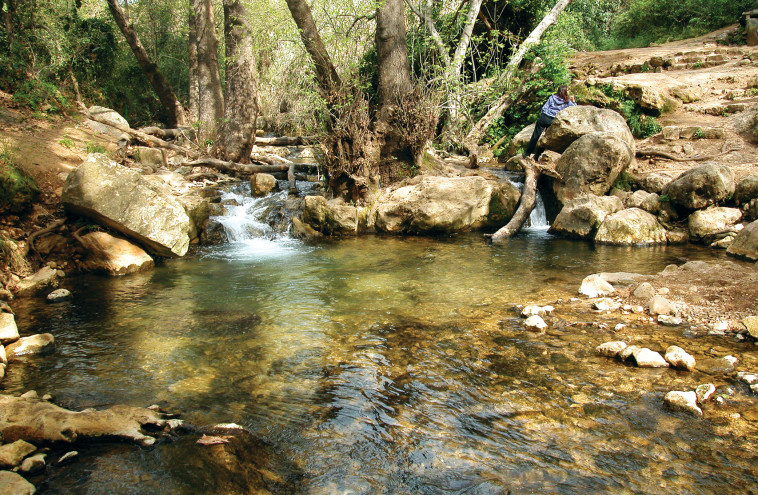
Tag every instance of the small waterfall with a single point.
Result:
(538, 217)
(247, 222)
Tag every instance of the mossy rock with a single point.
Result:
(17, 190)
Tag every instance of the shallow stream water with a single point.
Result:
(379, 365)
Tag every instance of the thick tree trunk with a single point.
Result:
(392, 53)
(326, 74)
(8, 12)
(161, 87)
(211, 100)
(237, 131)
(194, 88)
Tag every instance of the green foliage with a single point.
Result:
(641, 125)
(66, 142)
(39, 95)
(698, 134)
(17, 190)
(91, 147)
(624, 182)
(664, 198)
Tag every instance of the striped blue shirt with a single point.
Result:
(555, 104)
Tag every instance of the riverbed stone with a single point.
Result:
(535, 323)
(705, 392)
(632, 226)
(125, 201)
(15, 484)
(679, 358)
(8, 328)
(34, 344)
(532, 310)
(669, 320)
(644, 291)
(703, 225)
(33, 464)
(683, 401)
(591, 165)
(12, 454)
(659, 305)
(446, 205)
(596, 286)
(628, 352)
(581, 216)
(751, 324)
(42, 280)
(114, 255)
(59, 295)
(610, 349)
(574, 122)
(745, 245)
(716, 366)
(701, 186)
(605, 304)
(646, 358)
(262, 184)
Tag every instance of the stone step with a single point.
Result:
(673, 132)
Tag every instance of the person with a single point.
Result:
(557, 102)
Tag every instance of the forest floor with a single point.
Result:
(47, 148)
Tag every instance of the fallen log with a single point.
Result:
(285, 141)
(532, 171)
(239, 168)
(168, 133)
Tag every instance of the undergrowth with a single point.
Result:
(17, 190)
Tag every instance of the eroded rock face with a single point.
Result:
(702, 186)
(113, 255)
(574, 122)
(35, 420)
(123, 200)
(8, 328)
(704, 224)
(591, 165)
(328, 217)
(631, 227)
(12, 454)
(581, 216)
(446, 204)
(746, 189)
(745, 245)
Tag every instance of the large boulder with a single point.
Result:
(108, 116)
(8, 328)
(574, 122)
(329, 217)
(591, 165)
(113, 255)
(447, 204)
(581, 216)
(745, 245)
(262, 184)
(125, 201)
(701, 186)
(632, 226)
(704, 224)
(521, 139)
(746, 189)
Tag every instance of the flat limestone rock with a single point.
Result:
(35, 420)
(15, 484)
(34, 344)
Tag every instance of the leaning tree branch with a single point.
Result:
(532, 171)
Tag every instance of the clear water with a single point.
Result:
(381, 365)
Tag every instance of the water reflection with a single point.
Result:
(381, 365)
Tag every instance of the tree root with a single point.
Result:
(49, 228)
(670, 156)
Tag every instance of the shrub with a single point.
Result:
(17, 190)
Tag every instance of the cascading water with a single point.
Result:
(538, 218)
(245, 222)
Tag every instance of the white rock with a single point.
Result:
(532, 310)
(646, 358)
(59, 295)
(659, 305)
(8, 328)
(748, 378)
(644, 291)
(68, 456)
(679, 358)
(704, 392)
(3, 355)
(731, 360)
(610, 349)
(535, 324)
(34, 344)
(683, 401)
(595, 286)
(669, 321)
(606, 304)
(619, 327)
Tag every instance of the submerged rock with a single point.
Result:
(683, 401)
(705, 392)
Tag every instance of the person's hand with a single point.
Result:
(572, 99)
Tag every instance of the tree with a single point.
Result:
(210, 104)
(237, 130)
(165, 93)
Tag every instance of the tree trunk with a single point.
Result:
(211, 100)
(531, 41)
(237, 131)
(392, 53)
(194, 89)
(166, 95)
(526, 203)
(326, 74)
(8, 13)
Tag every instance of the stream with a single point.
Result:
(376, 364)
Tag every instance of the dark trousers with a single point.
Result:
(542, 123)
